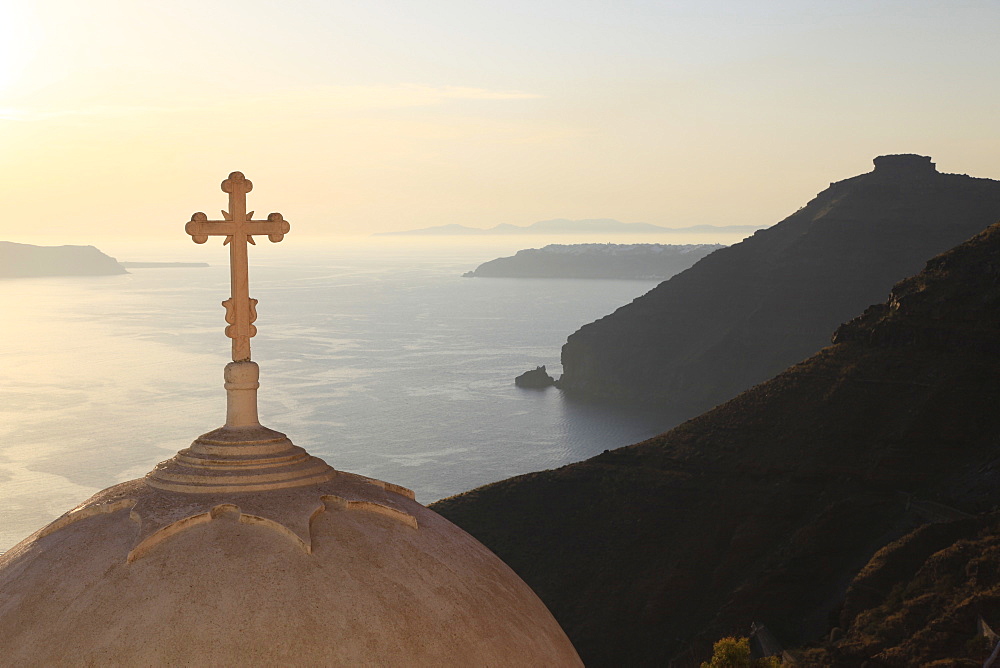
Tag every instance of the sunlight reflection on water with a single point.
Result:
(386, 364)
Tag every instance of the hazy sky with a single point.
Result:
(357, 117)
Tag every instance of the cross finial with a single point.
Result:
(238, 228)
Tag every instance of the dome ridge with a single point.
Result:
(160, 514)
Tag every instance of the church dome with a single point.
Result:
(347, 572)
(243, 549)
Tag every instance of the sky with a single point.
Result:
(122, 118)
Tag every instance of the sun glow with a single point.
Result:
(18, 43)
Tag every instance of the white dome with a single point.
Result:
(350, 571)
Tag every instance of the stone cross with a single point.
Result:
(238, 229)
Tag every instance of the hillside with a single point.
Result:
(766, 507)
(623, 261)
(24, 260)
(746, 312)
(930, 598)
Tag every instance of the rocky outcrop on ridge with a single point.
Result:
(765, 508)
(624, 261)
(24, 260)
(746, 312)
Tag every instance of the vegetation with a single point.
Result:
(735, 653)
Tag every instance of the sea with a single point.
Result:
(375, 354)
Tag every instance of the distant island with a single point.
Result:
(163, 265)
(620, 261)
(565, 226)
(27, 260)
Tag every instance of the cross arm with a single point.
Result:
(275, 227)
(200, 228)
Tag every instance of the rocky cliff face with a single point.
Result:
(765, 508)
(746, 312)
(24, 260)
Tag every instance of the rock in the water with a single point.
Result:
(536, 378)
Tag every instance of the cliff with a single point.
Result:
(24, 260)
(626, 261)
(764, 508)
(746, 312)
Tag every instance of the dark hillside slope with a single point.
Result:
(922, 600)
(744, 313)
(764, 508)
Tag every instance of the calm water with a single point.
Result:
(380, 359)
